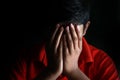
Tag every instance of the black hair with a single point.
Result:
(69, 11)
(65, 12)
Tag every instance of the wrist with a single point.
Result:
(47, 74)
(52, 74)
(77, 74)
(73, 71)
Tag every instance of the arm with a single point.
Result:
(55, 64)
(77, 75)
(54, 56)
(47, 75)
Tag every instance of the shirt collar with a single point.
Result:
(86, 53)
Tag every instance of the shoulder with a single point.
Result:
(27, 62)
(103, 64)
(101, 58)
(98, 54)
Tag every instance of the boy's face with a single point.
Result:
(79, 26)
(82, 27)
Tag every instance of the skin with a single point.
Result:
(55, 56)
(72, 47)
(63, 53)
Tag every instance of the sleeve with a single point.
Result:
(28, 67)
(19, 71)
(105, 68)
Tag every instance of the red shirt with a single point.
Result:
(95, 63)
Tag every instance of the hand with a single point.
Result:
(54, 52)
(72, 47)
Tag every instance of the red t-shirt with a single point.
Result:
(95, 63)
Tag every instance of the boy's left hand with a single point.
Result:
(72, 47)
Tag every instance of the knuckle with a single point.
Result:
(70, 41)
(75, 38)
(79, 39)
(70, 44)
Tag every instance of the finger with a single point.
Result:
(74, 35)
(79, 31)
(69, 40)
(53, 36)
(60, 51)
(65, 48)
(57, 38)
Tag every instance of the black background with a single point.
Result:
(22, 27)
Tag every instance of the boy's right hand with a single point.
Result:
(54, 52)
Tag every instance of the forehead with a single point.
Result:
(68, 23)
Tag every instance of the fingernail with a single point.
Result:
(71, 25)
(78, 27)
(58, 25)
(62, 28)
(67, 28)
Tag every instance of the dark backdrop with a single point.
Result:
(22, 28)
(104, 30)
